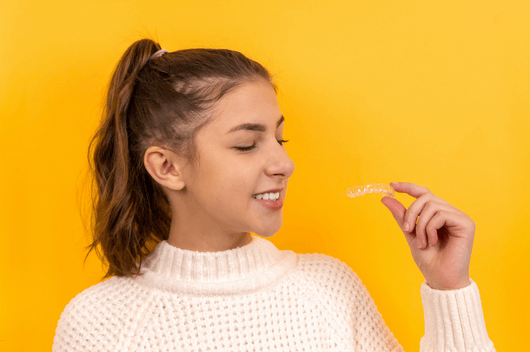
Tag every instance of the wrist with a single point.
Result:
(449, 286)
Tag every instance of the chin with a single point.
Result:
(265, 235)
(268, 232)
(269, 227)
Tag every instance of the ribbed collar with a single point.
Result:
(254, 266)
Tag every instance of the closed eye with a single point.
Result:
(245, 149)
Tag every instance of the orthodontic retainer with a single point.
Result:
(383, 188)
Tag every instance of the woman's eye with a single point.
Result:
(244, 149)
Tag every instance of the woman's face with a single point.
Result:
(218, 195)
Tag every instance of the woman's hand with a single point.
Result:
(440, 241)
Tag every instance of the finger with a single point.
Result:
(436, 223)
(396, 208)
(432, 234)
(414, 210)
(430, 210)
(398, 212)
(413, 190)
(410, 188)
(417, 207)
(458, 225)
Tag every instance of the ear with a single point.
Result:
(163, 166)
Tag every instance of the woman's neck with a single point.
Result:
(199, 241)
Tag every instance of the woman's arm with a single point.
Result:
(453, 322)
(440, 238)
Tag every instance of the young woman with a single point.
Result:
(189, 162)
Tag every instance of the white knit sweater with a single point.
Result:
(254, 298)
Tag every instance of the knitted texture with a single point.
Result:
(252, 298)
(454, 320)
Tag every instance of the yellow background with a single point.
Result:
(435, 93)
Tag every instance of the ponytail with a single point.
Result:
(161, 101)
(126, 202)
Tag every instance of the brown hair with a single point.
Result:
(161, 101)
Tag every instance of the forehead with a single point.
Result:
(251, 102)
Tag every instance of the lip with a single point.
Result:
(271, 204)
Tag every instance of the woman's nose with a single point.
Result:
(280, 163)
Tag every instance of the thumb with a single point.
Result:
(398, 212)
(396, 208)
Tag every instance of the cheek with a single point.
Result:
(241, 182)
(227, 184)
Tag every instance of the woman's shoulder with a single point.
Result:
(325, 271)
(110, 294)
(99, 307)
(319, 263)
(333, 285)
(101, 292)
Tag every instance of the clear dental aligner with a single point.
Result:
(357, 191)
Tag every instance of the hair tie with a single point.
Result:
(158, 54)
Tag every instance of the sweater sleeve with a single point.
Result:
(102, 318)
(454, 320)
(370, 330)
(345, 304)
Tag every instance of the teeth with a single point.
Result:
(268, 196)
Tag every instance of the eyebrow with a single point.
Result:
(254, 126)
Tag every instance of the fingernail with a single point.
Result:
(394, 183)
(419, 244)
(406, 227)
